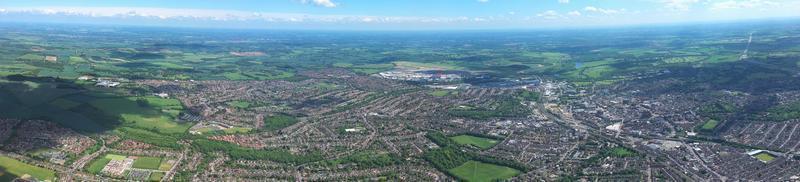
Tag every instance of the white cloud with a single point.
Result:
(550, 15)
(574, 13)
(593, 9)
(745, 4)
(563, 1)
(679, 5)
(512, 13)
(483, 1)
(175, 14)
(323, 3)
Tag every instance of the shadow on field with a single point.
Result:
(53, 99)
(5, 176)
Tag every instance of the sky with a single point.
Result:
(393, 14)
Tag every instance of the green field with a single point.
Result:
(12, 168)
(144, 112)
(475, 171)
(165, 166)
(147, 136)
(764, 157)
(65, 104)
(427, 66)
(156, 176)
(483, 143)
(442, 93)
(710, 125)
(278, 122)
(622, 152)
(115, 157)
(97, 165)
(235, 130)
(147, 163)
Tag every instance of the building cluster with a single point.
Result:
(419, 76)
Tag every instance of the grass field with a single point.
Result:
(147, 163)
(165, 166)
(278, 122)
(147, 137)
(144, 112)
(369, 68)
(710, 124)
(442, 93)
(622, 152)
(156, 176)
(65, 104)
(475, 171)
(235, 130)
(483, 143)
(764, 157)
(97, 165)
(115, 157)
(9, 166)
(427, 66)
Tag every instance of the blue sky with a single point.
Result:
(393, 14)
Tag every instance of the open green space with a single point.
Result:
(115, 157)
(503, 108)
(12, 168)
(475, 171)
(442, 93)
(622, 152)
(278, 121)
(235, 130)
(366, 159)
(147, 163)
(710, 125)
(31, 57)
(65, 104)
(764, 157)
(97, 165)
(147, 136)
(480, 142)
(144, 112)
(165, 165)
(366, 68)
(156, 176)
(427, 65)
(527, 95)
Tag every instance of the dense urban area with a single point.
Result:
(677, 103)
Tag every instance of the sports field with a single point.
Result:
(710, 124)
(11, 168)
(97, 165)
(475, 171)
(765, 157)
(156, 176)
(147, 163)
(483, 143)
